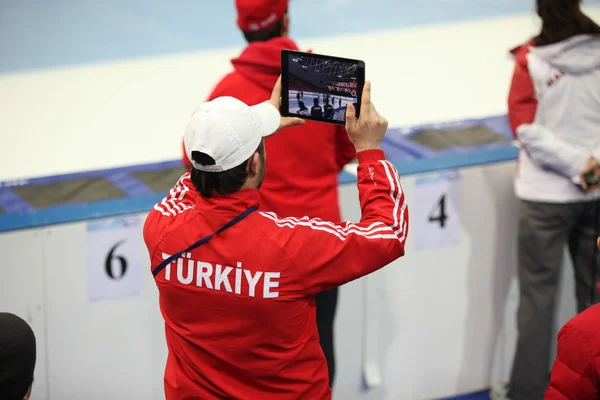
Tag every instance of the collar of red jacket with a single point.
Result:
(237, 202)
(261, 61)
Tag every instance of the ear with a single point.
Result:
(254, 164)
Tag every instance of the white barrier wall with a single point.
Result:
(441, 311)
(433, 323)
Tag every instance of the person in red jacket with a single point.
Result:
(301, 179)
(237, 285)
(576, 370)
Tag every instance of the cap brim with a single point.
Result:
(268, 116)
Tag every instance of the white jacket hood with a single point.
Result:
(577, 55)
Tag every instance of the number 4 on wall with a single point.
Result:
(437, 205)
(438, 213)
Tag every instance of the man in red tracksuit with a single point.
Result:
(304, 161)
(237, 285)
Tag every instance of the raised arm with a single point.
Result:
(326, 255)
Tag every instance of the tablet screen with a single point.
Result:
(319, 87)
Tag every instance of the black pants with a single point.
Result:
(544, 231)
(326, 305)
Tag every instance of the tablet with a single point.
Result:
(318, 87)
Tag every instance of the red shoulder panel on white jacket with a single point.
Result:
(522, 104)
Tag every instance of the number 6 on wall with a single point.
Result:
(112, 259)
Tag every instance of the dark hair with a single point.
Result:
(17, 356)
(225, 182)
(561, 20)
(267, 34)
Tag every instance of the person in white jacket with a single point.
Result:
(554, 110)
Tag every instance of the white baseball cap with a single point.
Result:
(229, 131)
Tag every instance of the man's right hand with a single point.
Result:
(366, 132)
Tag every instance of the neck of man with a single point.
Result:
(251, 183)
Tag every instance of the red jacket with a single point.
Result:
(576, 370)
(239, 311)
(303, 162)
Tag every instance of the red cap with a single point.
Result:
(258, 15)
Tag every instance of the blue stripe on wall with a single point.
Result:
(130, 185)
(29, 218)
(11, 203)
(43, 34)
